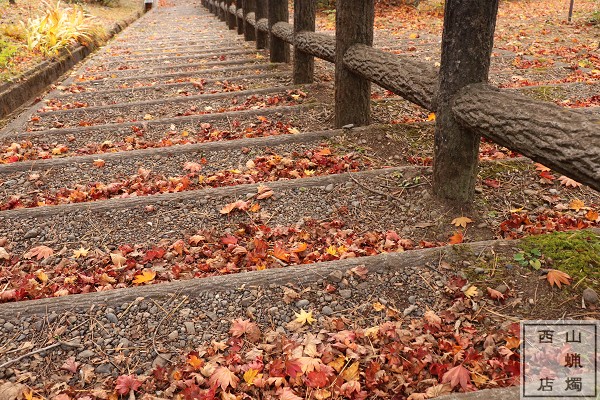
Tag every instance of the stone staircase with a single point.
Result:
(178, 152)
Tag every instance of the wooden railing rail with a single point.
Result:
(466, 107)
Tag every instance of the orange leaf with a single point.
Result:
(192, 166)
(145, 276)
(99, 163)
(195, 362)
(592, 215)
(279, 252)
(300, 248)
(457, 238)
(324, 152)
(556, 277)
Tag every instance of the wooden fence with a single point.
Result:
(466, 107)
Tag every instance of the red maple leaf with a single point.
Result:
(457, 375)
(127, 383)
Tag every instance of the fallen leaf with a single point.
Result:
(192, 166)
(461, 221)
(565, 181)
(471, 291)
(99, 163)
(250, 376)
(591, 215)
(117, 259)
(438, 390)
(431, 117)
(127, 383)
(457, 375)
(4, 254)
(541, 168)
(377, 306)
(240, 205)
(144, 277)
(456, 238)
(224, 378)
(148, 117)
(556, 277)
(304, 317)
(82, 252)
(41, 275)
(39, 252)
(494, 294)
(351, 373)
(576, 205)
(70, 365)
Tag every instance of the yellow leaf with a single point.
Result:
(414, 36)
(332, 250)
(576, 205)
(377, 306)
(309, 172)
(304, 317)
(351, 373)
(41, 275)
(338, 363)
(518, 210)
(431, 117)
(148, 117)
(592, 215)
(145, 276)
(80, 253)
(461, 221)
(471, 291)
(293, 131)
(250, 376)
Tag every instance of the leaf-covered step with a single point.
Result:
(115, 64)
(167, 108)
(361, 198)
(168, 132)
(181, 168)
(103, 72)
(77, 96)
(211, 73)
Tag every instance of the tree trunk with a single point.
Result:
(279, 49)
(562, 139)
(354, 25)
(466, 49)
(304, 20)
(261, 12)
(571, 10)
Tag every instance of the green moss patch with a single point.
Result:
(576, 253)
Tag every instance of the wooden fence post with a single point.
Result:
(230, 17)
(240, 21)
(467, 44)
(279, 50)
(222, 14)
(262, 38)
(354, 25)
(249, 30)
(304, 20)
